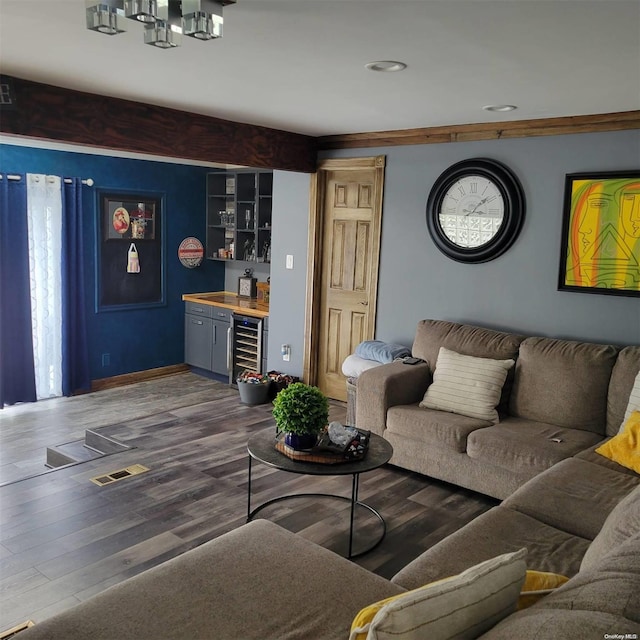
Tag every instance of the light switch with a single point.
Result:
(289, 263)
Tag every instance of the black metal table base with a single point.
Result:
(353, 500)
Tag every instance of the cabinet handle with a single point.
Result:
(229, 349)
(197, 322)
(364, 303)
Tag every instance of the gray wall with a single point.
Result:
(517, 291)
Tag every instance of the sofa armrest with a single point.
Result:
(386, 386)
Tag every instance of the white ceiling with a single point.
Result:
(298, 65)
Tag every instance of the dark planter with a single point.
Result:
(302, 442)
(252, 393)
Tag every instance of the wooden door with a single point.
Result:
(349, 197)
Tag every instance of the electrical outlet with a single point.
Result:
(289, 262)
(106, 359)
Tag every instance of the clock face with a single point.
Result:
(475, 210)
(472, 211)
(244, 288)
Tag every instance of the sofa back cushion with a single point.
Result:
(622, 523)
(622, 378)
(563, 382)
(468, 340)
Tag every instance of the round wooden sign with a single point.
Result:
(190, 252)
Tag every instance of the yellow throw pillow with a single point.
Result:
(538, 584)
(465, 605)
(625, 447)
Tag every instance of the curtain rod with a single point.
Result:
(87, 181)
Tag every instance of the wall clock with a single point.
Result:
(475, 210)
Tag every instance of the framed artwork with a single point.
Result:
(600, 250)
(129, 216)
(130, 250)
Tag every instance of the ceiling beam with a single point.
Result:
(621, 121)
(65, 115)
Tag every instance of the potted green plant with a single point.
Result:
(301, 412)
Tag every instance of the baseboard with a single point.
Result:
(137, 376)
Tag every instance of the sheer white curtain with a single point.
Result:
(44, 214)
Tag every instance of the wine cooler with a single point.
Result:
(247, 345)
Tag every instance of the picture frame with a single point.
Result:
(129, 221)
(600, 251)
(129, 216)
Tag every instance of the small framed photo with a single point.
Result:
(129, 217)
(600, 251)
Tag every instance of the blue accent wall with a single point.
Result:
(143, 338)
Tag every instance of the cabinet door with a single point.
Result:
(220, 351)
(198, 341)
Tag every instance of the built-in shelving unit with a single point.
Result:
(239, 215)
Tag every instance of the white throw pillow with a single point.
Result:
(462, 607)
(634, 402)
(467, 385)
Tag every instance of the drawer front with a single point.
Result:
(203, 310)
(221, 314)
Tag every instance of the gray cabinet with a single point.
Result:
(206, 337)
(220, 348)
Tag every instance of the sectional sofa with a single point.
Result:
(574, 511)
(559, 398)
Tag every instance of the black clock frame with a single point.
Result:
(514, 209)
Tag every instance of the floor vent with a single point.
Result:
(121, 474)
(11, 633)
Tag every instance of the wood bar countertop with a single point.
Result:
(249, 307)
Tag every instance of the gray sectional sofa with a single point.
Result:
(576, 512)
(560, 398)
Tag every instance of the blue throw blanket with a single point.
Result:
(381, 351)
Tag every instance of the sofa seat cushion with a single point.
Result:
(554, 624)
(518, 444)
(259, 581)
(432, 427)
(495, 532)
(573, 495)
(590, 455)
(563, 382)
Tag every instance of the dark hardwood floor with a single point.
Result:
(64, 538)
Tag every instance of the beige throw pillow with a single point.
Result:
(467, 385)
(461, 607)
(634, 402)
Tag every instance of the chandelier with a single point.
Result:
(164, 20)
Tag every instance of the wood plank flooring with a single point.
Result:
(63, 538)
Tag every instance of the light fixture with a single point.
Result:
(141, 10)
(385, 65)
(165, 20)
(165, 32)
(202, 19)
(105, 17)
(500, 107)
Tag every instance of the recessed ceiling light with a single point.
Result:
(385, 65)
(500, 107)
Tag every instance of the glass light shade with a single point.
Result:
(163, 35)
(201, 25)
(141, 10)
(103, 18)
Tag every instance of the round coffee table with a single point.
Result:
(261, 447)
